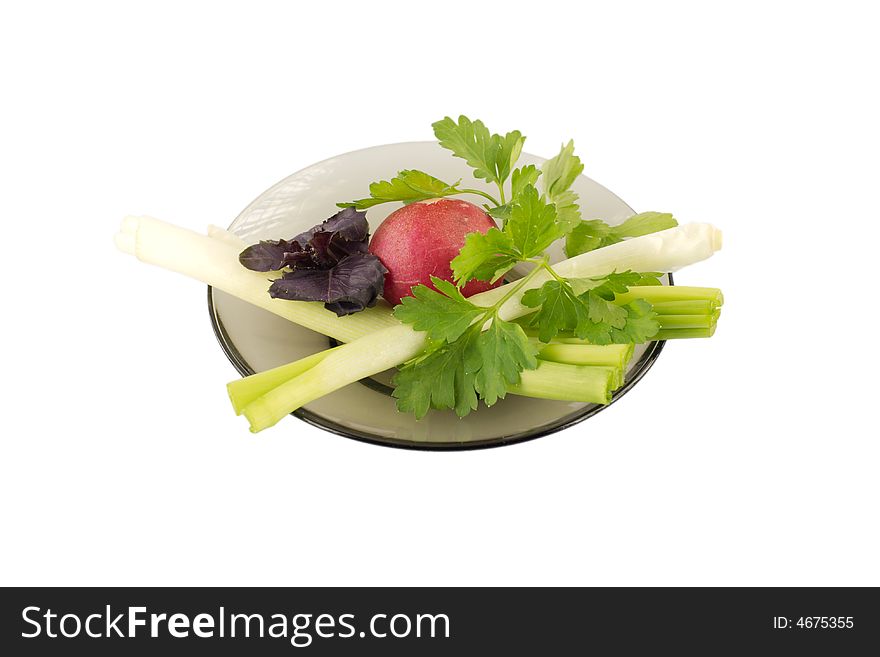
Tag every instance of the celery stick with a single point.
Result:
(372, 353)
(613, 355)
(677, 333)
(581, 383)
(243, 391)
(688, 321)
(660, 293)
(686, 307)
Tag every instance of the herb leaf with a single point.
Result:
(614, 283)
(530, 228)
(595, 233)
(491, 156)
(329, 263)
(505, 351)
(644, 223)
(478, 362)
(440, 379)
(585, 306)
(484, 256)
(408, 186)
(348, 287)
(443, 315)
(522, 177)
(560, 172)
(559, 309)
(465, 361)
(532, 225)
(641, 323)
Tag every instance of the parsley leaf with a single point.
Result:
(559, 309)
(588, 236)
(532, 225)
(444, 314)
(644, 223)
(484, 256)
(594, 234)
(443, 378)
(408, 186)
(491, 156)
(465, 360)
(585, 307)
(641, 323)
(614, 283)
(560, 172)
(505, 351)
(530, 228)
(520, 179)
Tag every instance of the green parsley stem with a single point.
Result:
(516, 286)
(485, 195)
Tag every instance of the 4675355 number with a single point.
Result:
(814, 622)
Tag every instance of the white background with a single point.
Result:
(751, 458)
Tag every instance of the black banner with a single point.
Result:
(437, 621)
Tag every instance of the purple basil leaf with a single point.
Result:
(268, 255)
(300, 258)
(328, 248)
(350, 224)
(352, 285)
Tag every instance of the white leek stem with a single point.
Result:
(214, 261)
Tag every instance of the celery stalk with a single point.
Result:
(591, 384)
(665, 293)
(688, 321)
(677, 333)
(686, 307)
(613, 355)
(243, 391)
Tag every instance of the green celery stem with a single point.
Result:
(667, 293)
(244, 391)
(686, 307)
(679, 333)
(580, 383)
(612, 355)
(688, 321)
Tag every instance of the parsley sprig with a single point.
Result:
(464, 361)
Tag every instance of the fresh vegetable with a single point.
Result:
(594, 234)
(328, 263)
(417, 242)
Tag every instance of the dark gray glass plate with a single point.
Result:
(255, 340)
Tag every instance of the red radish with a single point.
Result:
(419, 241)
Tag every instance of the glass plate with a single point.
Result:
(255, 340)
